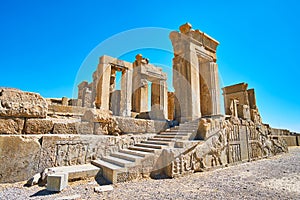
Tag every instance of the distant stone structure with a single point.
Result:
(133, 95)
(111, 132)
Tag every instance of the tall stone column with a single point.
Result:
(126, 91)
(164, 98)
(210, 90)
(140, 95)
(186, 83)
(155, 94)
(159, 96)
(103, 85)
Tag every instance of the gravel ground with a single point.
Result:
(274, 178)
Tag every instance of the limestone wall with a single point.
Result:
(226, 141)
(35, 136)
(22, 156)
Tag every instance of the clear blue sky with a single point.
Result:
(43, 43)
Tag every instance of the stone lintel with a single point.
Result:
(196, 36)
(240, 87)
(115, 62)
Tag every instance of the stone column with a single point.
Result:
(187, 86)
(210, 91)
(171, 105)
(103, 85)
(164, 98)
(87, 98)
(126, 92)
(159, 96)
(155, 94)
(81, 86)
(139, 89)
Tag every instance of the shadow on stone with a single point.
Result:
(43, 192)
(100, 179)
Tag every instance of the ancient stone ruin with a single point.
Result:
(112, 134)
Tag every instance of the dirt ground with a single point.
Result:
(274, 178)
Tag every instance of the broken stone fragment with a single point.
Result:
(16, 103)
(103, 188)
(33, 180)
(11, 126)
(103, 120)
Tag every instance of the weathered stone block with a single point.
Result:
(97, 115)
(16, 103)
(38, 126)
(155, 126)
(100, 128)
(57, 182)
(85, 128)
(65, 128)
(19, 157)
(129, 125)
(11, 126)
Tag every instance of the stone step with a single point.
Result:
(77, 171)
(166, 143)
(168, 136)
(102, 163)
(126, 156)
(187, 127)
(175, 133)
(109, 170)
(179, 130)
(143, 149)
(154, 146)
(135, 153)
(118, 161)
(161, 139)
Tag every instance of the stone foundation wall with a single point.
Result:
(22, 156)
(131, 125)
(227, 141)
(290, 140)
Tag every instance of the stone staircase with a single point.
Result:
(120, 166)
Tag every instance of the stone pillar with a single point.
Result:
(164, 98)
(126, 92)
(159, 96)
(187, 85)
(87, 98)
(155, 95)
(139, 90)
(103, 85)
(252, 99)
(210, 90)
(171, 105)
(115, 102)
(65, 101)
(81, 86)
